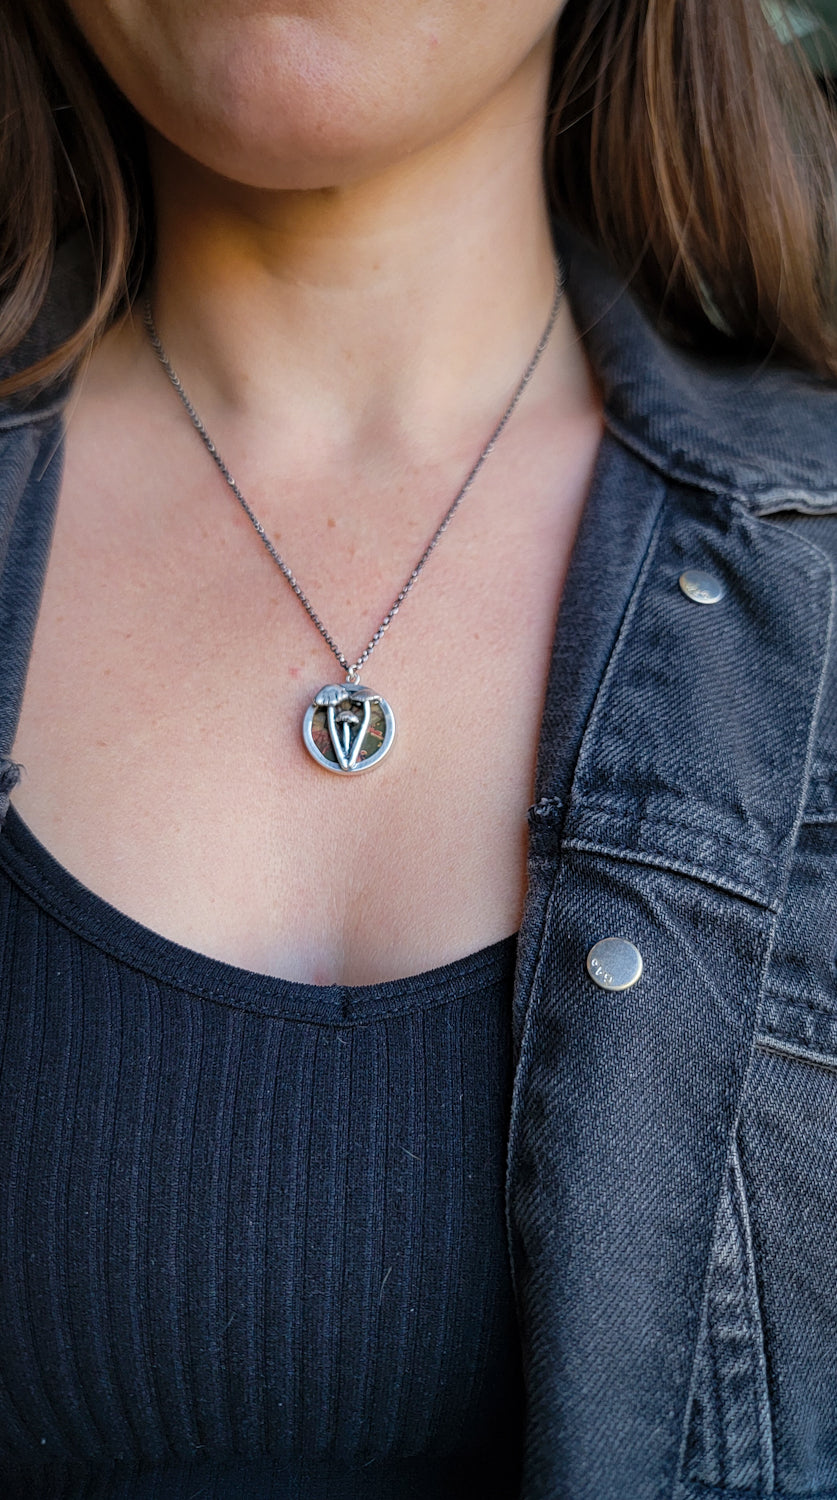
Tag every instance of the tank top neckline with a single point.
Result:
(55, 890)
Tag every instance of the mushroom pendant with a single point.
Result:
(348, 728)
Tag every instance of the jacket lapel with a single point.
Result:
(30, 471)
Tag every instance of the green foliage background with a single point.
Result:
(815, 22)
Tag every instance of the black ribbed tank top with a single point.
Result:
(252, 1236)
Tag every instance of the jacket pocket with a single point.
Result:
(763, 1414)
(763, 1418)
(729, 1445)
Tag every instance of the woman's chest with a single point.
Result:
(161, 728)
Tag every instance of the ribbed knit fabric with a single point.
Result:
(251, 1232)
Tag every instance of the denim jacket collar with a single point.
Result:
(764, 434)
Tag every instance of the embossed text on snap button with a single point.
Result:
(700, 587)
(614, 964)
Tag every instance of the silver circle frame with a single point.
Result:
(363, 765)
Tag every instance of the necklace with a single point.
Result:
(347, 728)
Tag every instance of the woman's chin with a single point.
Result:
(278, 101)
(278, 160)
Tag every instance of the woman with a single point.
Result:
(258, 1060)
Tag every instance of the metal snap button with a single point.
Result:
(614, 964)
(701, 588)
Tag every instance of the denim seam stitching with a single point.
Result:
(681, 1483)
(725, 485)
(598, 710)
(658, 860)
(622, 807)
(695, 1487)
(802, 1001)
(755, 1322)
(14, 422)
(827, 635)
(701, 1334)
(778, 1046)
(519, 1084)
(547, 807)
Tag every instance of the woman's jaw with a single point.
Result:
(351, 216)
(315, 95)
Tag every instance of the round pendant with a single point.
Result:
(348, 728)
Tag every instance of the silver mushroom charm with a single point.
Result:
(348, 728)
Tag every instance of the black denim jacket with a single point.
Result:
(672, 1184)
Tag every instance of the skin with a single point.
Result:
(317, 94)
(354, 266)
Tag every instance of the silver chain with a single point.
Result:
(352, 669)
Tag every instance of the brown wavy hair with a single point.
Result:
(683, 139)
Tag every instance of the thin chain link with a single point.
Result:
(352, 669)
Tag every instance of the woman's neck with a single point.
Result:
(404, 300)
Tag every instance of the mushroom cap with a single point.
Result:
(344, 692)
